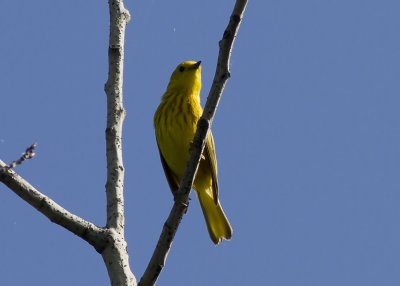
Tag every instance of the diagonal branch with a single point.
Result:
(86, 230)
(221, 76)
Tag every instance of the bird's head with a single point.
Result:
(187, 75)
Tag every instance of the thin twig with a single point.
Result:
(28, 154)
(222, 74)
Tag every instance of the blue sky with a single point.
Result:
(307, 136)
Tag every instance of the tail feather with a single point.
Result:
(217, 223)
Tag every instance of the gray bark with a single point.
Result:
(180, 206)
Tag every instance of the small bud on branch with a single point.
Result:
(28, 154)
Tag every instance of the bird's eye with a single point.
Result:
(181, 68)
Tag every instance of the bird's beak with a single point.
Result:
(196, 65)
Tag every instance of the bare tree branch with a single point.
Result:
(28, 154)
(119, 17)
(89, 232)
(115, 255)
(108, 241)
(179, 208)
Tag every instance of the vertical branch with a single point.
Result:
(221, 76)
(119, 17)
(115, 255)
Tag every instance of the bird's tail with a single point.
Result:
(217, 223)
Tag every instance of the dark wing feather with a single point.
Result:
(173, 185)
(211, 160)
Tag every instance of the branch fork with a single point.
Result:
(109, 241)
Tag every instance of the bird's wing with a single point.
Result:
(211, 160)
(173, 185)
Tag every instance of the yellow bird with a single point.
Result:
(175, 123)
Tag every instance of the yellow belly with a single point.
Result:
(174, 143)
(175, 125)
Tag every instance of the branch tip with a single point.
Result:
(28, 154)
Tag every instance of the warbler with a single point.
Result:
(175, 123)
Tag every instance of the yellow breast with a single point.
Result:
(175, 124)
